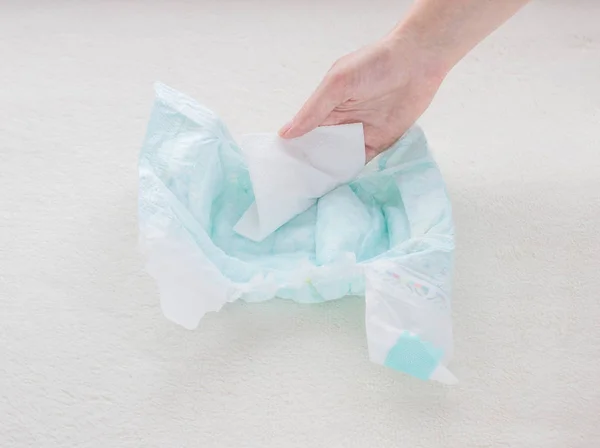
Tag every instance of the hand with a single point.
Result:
(386, 86)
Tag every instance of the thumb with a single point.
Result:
(317, 108)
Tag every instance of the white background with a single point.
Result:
(86, 358)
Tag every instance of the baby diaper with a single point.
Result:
(301, 219)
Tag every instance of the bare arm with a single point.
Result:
(389, 84)
(450, 29)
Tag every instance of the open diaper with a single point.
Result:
(304, 220)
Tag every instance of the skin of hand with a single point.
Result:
(389, 84)
(386, 86)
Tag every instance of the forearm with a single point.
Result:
(448, 29)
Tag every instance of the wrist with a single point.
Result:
(433, 57)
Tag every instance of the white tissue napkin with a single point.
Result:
(288, 176)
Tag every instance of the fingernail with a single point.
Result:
(284, 129)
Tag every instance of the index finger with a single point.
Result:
(328, 95)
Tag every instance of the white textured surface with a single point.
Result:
(87, 360)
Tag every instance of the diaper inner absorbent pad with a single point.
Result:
(302, 219)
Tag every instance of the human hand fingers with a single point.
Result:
(329, 94)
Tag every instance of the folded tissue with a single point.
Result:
(302, 219)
